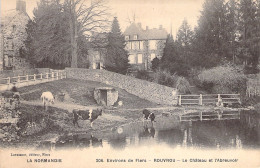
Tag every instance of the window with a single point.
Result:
(139, 58)
(152, 56)
(152, 44)
(127, 38)
(141, 45)
(131, 59)
(135, 37)
(128, 45)
(10, 45)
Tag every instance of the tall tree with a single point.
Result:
(83, 19)
(248, 31)
(185, 37)
(185, 34)
(172, 60)
(48, 42)
(116, 58)
(209, 38)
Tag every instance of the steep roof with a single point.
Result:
(9, 15)
(149, 34)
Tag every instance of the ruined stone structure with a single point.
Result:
(144, 45)
(13, 35)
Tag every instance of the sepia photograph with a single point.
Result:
(130, 83)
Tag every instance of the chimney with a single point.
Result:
(21, 6)
(147, 28)
(139, 25)
(160, 27)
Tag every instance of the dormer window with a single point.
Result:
(127, 38)
(135, 37)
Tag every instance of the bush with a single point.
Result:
(144, 75)
(223, 79)
(155, 63)
(165, 78)
(183, 86)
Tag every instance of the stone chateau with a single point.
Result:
(144, 45)
(12, 36)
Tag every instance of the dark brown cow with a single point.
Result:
(86, 115)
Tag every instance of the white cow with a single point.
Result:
(47, 99)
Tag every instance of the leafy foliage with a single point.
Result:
(183, 85)
(116, 58)
(223, 79)
(144, 75)
(48, 42)
(172, 60)
(165, 78)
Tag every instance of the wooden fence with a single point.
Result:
(214, 115)
(253, 87)
(209, 99)
(26, 80)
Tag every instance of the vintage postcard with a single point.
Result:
(129, 83)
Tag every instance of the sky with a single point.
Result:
(151, 13)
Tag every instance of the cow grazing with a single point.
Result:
(47, 99)
(90, 114)
(148, 115)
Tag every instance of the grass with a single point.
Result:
(81, 92)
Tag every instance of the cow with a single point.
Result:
(90, 114)
(47, 98)
(148, 115)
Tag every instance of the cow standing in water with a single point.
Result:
(148, 115)
(47, 99)
(86, 115)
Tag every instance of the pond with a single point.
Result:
(243, 133)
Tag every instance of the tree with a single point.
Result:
(84, 19)
(185, 34)
(209, 35)
(248, 34)
(185, 37)
(155, 63)
(116, 58)
(171, 60)
(48, 41)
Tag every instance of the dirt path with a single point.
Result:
(69, 107)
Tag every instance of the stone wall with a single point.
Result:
(147, 90)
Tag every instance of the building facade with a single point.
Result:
(144, 45)
(13, 35)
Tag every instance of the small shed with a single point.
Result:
(106, 96)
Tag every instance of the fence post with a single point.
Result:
(52, 75)
(41, 76)
(47, 75)
(34, 77)
(219, 98)
(27, 78)
(200, 100)
(179, 99)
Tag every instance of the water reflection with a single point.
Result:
(217, 134)
(71, 142)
